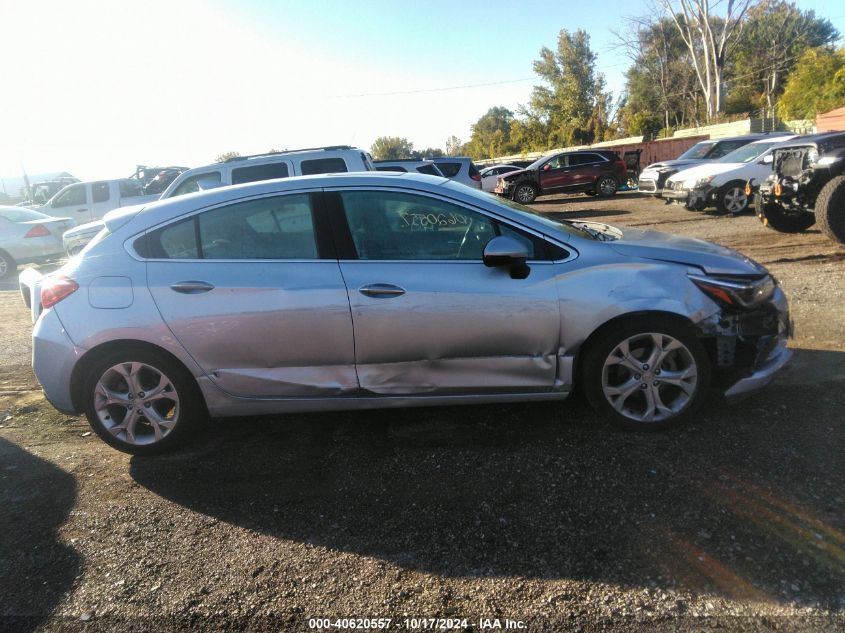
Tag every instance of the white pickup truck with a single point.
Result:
(88, 201)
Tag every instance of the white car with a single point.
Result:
(490, 174)
(721, 183)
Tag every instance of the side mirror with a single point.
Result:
(767, 159)
(546, 167)
(506, 251)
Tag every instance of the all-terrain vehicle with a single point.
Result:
(806, 187)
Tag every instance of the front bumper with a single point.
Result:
(762, 376)
(699, 198)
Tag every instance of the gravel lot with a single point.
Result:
(535, 513)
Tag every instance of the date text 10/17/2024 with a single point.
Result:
(436, 624)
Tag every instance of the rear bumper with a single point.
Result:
(53, 358)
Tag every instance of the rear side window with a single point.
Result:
(450, 170)
(281, 227)
(391, 168)
(100, 192)
(192, 184)
(130, 187)
(431, 170)
(254, 173)
(323, 166)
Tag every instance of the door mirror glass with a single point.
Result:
(507, 251)
(767, 159)
(547, 167)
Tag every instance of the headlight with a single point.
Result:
(736, 292)
(699, 182)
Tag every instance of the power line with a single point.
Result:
(422, 90)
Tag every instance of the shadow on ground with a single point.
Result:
(745, 502)
(36, 570)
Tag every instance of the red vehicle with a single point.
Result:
(594, 172)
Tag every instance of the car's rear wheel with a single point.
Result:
(141, 402)
(8, 266)
(830, 209)
(646, 373)
(773, 215)
(525, 193)
(732, 199)
(606, 186)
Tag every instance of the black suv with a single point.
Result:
(807, 186)
(595, 172)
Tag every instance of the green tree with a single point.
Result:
(776, 33)
(491, 134)
(226, 156)
(428, 152)
(816, 84)
(391, 148)
(572, 105)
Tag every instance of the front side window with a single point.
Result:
(72, 196)
(559, 161)
(387, 225)
(323, 166)
(254, 173)
(194, 183)
(100, 192)
(268, 228)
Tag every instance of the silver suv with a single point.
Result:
(460, 169)
(298, 162)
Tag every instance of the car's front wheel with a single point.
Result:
(8, 266)
(732, 198)
(141, 402)
(606, 186)
(775, 216)
(646, 373)
(525, 193)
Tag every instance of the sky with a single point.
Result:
(95, 88)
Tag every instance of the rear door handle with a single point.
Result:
(381, 291)
(192, 287)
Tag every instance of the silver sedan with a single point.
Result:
(28, 236)
(389, 290)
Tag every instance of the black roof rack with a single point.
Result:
(287, 151)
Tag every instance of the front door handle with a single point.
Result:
(191, 287)
(381, 291)
(81, 210)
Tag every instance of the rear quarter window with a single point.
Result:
(450, 170)
(323, 166)
(254, 173)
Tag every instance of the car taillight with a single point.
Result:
(54, 289)
(476, 177)
(39, 230)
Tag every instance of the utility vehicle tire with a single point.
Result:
(774, 216)
(830, 209)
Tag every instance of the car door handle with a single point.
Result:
(381, 291)
(191, 287)
(81, 210)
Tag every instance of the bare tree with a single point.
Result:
(709, 37)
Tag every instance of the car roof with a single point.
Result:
(774, 139)
(815, 138)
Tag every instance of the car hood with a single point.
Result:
(711, 258)
(675, 164)
(513, 175)
(704, 170)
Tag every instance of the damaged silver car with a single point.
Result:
(369, 290)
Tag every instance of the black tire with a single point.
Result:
(190, 409)
(600, 349)
(830, 209)
(8, 266)
(606, 186)
(774, 216)
(525, 193)
(729, 196)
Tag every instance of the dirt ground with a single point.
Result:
(538, 514)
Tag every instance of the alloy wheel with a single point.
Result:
(607, 186)
(735, 201)
(649, 377)
(525, 194)
(136, 403)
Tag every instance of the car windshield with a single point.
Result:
(699, 150)
(584, 230)
(17, 214)
(536, 164)
(745, 154)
